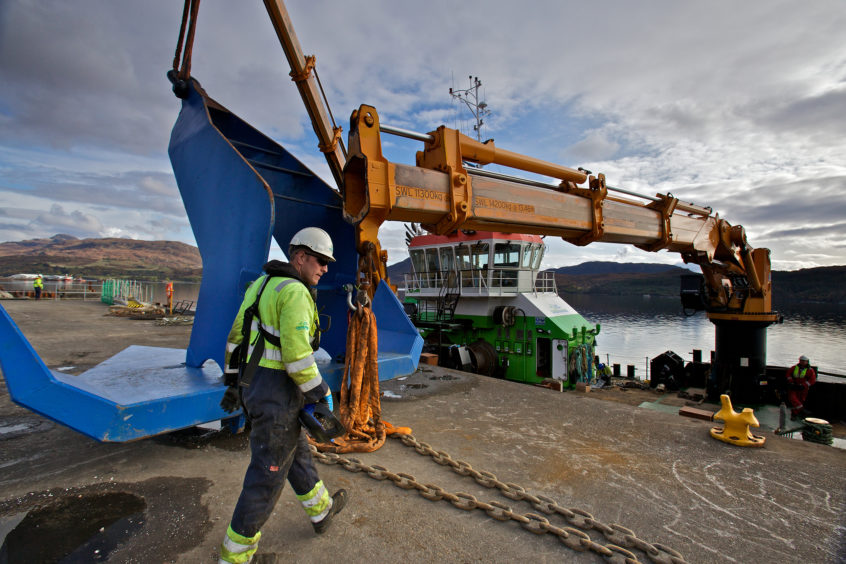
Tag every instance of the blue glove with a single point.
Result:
(328, 400)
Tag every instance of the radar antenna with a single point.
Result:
(470, 97)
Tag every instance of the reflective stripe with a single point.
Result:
(272, 354)
(268, 353)
(311, 384)
(230, 557)
(230, 347)
(241, 539)
(236, 548)
(317, 502)
(313, 497)
(269, 328)
(284, 283)
(300, 365)
(327, 506)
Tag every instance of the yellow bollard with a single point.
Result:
(736, 430)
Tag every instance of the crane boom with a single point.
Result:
(444, 195)
(302, 74)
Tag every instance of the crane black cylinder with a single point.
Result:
(740, 365)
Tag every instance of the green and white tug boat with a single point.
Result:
(481, 302)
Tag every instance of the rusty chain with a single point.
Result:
(619, 538)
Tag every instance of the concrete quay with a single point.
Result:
(658, 474)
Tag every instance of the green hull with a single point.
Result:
(528, 348)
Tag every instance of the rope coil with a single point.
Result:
(817, 431)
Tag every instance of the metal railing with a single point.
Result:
(122, 290)
(105, 291)
(545, 282)
(464, 279)
(62, 289)
(482, 282)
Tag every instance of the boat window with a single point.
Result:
(538, 256)
(418, 261)
(507, 254)
(462, 257)
(528, 255)
(462, 253)
(433, 266)
(418, 264)
(480, 255)
(447, 260)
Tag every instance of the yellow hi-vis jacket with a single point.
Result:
(37, 283)
(286, 310)
(799, 373)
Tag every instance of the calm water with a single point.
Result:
(634, 328)
(637, 328)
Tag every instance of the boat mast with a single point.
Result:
(470, 97)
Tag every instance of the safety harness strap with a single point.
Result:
(248, 369)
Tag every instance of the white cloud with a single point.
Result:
(594, 146)
(734, 106)
(74, 223)
(157, 187)
(120, 233)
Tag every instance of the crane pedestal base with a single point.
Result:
(740, 363)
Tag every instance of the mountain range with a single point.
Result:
(102, 258)
(159, 260)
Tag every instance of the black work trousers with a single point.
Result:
(279, 449)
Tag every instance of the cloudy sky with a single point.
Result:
(740, 106)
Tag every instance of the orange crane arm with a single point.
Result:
(302, 73)
(444, 195)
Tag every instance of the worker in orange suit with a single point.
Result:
(800, 378)
(169, 292)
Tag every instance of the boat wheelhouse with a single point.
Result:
(480, 264)
(481, 301)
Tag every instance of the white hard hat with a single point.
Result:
(315, 239)
(803, 357)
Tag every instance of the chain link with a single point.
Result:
(619, 538)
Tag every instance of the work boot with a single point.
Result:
(339, 500)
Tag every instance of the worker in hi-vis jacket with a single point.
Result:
(285, 379)
(800, 378)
